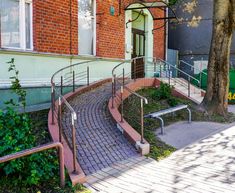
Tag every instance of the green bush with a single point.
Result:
(163, 92)
(16, 134)
(172, 101)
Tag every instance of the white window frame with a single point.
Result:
(22, 24)
(94, 31)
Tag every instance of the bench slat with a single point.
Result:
(166, 111)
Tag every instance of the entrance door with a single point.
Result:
(138, 43)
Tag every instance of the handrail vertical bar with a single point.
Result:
(61, 162)
(60, 120)
(122, 88)
(155, 67)
(169, 76)
(134, 69)
(52, 103)
(188, 86)
(112, 92)
(88, 75)
(160, 70)
(142, 120)
(114, 76)
(122, 91)
(61, 85)
(74, 117)
(73, 81)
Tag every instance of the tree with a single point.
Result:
(216, 98)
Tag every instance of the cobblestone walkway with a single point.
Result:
(99, 142)
(207, 166)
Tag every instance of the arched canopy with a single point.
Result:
(150, 5)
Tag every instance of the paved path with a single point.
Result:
(182, 133)
(231, 108)
(100, 143)
(207, 166)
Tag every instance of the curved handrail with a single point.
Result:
(60, 70)
(136, 94)
(201, 71)
(130, 60)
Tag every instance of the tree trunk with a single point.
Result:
(216, 98)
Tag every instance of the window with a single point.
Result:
(86, 27)
(16, 24)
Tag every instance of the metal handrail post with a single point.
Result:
(88, 75)
(114, 76)
(122, 91)
(73, 81)
(189, 86)
(154, 67)
(61, 85)
(121, 103)
(169, 76)
(74, 118)
(200, 79)
(39, 149)
(142, 120)
(160, 70)
(112, 92)
(52, 104)
(60, 120)
(134, 69)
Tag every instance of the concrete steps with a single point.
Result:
(181, 85)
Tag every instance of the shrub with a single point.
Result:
(172, 101)
(163, 92)
(16, 134)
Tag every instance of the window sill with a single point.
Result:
(43, 54)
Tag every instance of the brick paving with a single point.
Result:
(207, 166)
(99, 143)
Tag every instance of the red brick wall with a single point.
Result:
(51, 26)
(111, 30)
(159, 34)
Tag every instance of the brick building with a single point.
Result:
(44, 35)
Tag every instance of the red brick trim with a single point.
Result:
(54, 132)
(129, 131)
(132, 135)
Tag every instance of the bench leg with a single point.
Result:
(189, 115)
(162, 124)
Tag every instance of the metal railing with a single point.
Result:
(68, 78)
(165, 70)
(152, 67)
(192, 70)
(120, 81)
(39, 149)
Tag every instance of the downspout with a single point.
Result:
(166, 33)
(70, 21)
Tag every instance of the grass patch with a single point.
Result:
(157, 102)
(40, 131)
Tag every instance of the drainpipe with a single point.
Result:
(166, 33)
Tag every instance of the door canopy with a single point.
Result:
(141, 5)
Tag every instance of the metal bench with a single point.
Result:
(157, 115)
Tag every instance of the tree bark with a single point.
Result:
(216, 98)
